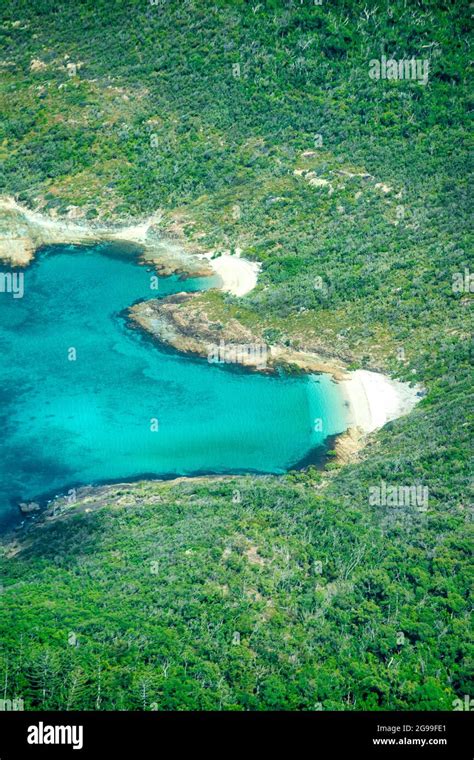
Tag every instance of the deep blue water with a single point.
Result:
(70, 423)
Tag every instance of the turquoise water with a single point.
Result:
(67, 423)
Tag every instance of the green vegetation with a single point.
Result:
(137, 605)
(154, 116)
(157, 116)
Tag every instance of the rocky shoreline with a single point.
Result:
(23, 232)
(181, 322)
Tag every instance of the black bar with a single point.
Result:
(305, 734)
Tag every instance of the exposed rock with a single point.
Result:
(74, 212)
(348, 445)
(169, 258)
(73, 68)
(345, 173)
(312, 178)
(17, 251)
(383, 187)
(27, 508)
(23, 231)
(181, 321)
(37, 65)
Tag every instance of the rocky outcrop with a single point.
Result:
(348, 445)
(182, 322)
(23, 231)
(26, 508)
(21, 235)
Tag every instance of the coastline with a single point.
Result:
(23, 232)
(372, 398)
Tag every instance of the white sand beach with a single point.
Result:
(239, 276)
(375, 399)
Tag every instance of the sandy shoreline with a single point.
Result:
(238, 276)
(27, 230)
(374, 399)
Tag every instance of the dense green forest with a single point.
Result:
(261, 593)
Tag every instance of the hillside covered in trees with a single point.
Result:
(256, 126)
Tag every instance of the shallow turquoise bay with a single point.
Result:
(71, 423)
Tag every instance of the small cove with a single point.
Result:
(125, 407)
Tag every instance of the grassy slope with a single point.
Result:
(308, 638)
